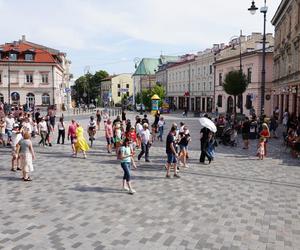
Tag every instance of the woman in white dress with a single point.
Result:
(26, 153)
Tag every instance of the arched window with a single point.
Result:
(15, 98)
(30, 100)
(45, 99)
(1, 98)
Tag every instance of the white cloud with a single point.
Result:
(100, 24)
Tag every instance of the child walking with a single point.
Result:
(261, 148)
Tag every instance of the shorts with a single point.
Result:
(8, 132)
(72, 139)
(171, 158)
(182, 147)
(245, 136)
(109, 140)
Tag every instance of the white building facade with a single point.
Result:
(34, 75)
(190, 82)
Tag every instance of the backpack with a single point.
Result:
(119, 154)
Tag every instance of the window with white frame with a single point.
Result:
(28, 57)
(220, 79)
(45, 78)
(13, 56)
(45, 99)
(29, 78)
(249, 75)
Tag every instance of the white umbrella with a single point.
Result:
(207, 123)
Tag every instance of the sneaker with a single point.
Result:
(186, 166)
(125, 189)
(131, 191)
(176, 176)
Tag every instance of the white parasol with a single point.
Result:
(207, 123)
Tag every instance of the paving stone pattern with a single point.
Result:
(237, 202)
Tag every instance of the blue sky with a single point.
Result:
(102, 34)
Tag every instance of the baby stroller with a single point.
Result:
(220, 129)
(228, 137)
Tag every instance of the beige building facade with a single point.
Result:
(286, 78)
(115, 87)
(249, 50)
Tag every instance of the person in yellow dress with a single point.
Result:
(81, 144)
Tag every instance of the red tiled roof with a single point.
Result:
(40, 55)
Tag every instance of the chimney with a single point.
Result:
(23, 38)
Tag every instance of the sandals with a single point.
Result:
(28, 179)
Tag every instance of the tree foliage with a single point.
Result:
(88, 87)
(148, 93)
(235, 84)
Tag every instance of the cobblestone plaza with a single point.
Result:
(237, 202)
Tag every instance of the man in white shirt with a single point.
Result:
(16, 137)
(146, 142)
(43, 130)
(10, 120)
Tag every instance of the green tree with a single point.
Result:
(235, 84)
(146, 98)
(138, 98)
(97, 79)
(88, 87)
(160, 91)
(148, 93)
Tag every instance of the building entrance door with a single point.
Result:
(30, 100)
(203, 104)
(193, 104)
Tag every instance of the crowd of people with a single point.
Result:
(262, 128)
(132, 140)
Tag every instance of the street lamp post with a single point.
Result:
(8, 80)
(263, 10)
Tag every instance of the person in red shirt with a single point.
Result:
(72, 134)
(265, 133)
(109, 135)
